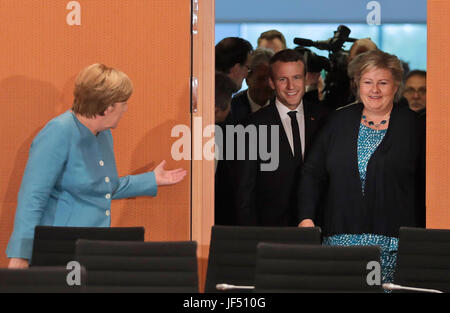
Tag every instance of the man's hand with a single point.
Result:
(15, 263)
(306, 223)
(171, 177)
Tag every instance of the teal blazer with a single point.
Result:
(69, 180)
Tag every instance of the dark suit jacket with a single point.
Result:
(395, 178)
(240, 107)
(224, 213)
(268, 198)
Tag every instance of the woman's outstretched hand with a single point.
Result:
(165, 177)
(15, 263)
(306, 223)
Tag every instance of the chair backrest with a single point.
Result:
(423, 259)
(232, 253)
(290, 268)
(120, 266)
(40, 280)
(55, 246)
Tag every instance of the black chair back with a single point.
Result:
(423, 259)
(283, 268)
(232, 254)
(120, 266)
(55, 246)
(41, 280)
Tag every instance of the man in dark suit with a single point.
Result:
(223, 215)
(264, 197)
(259, 92)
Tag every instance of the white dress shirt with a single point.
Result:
(286, 120)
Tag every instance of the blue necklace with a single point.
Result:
(372, 123)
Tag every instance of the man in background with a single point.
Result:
(233, 57)
(224, 89)
(224, 214)
(259, 92)
(273, 40)
(416, 91)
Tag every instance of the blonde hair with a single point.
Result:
(97, 87)
(271, 35)
(377, 59)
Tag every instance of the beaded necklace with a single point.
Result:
(372, 123)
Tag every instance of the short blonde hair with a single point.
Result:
(377, 59)
(97, 87)
(271, 35)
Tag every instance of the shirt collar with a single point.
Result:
(284, 110)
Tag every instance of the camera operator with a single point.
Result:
(338, 90)
(314, 83)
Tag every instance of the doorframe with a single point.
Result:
(203, 68)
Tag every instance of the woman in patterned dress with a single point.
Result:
(364, 177)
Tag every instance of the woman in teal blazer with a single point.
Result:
(71, 177)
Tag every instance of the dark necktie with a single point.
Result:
(296, 135)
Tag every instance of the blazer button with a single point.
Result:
(107, 213)
(101, 163)
(108, 195)
(107, 179)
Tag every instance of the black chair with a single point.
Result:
(39, 280)
(119, 266)
(232, 253)
(423, 259)
(55, 246)
(306, 268)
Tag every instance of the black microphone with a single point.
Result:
(303, 42)
(320, 44)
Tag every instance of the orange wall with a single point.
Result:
(438, 115)
(40, 56)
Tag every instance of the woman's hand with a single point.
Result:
(306, 223)
(171, 177)
(15, 263)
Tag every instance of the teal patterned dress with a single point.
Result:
(368, 141)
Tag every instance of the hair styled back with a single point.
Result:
(272, 34)
(377, 59)
(230, 51)
(260, 56)
(420, 73)
(97, 87)
(285, 56)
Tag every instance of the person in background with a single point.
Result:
(233, 58)
(360, 46)
(273, 40)
(259, 92)
(223, 197)
(71, 176)
(224, 89)
(416, 91)
(366, 202)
